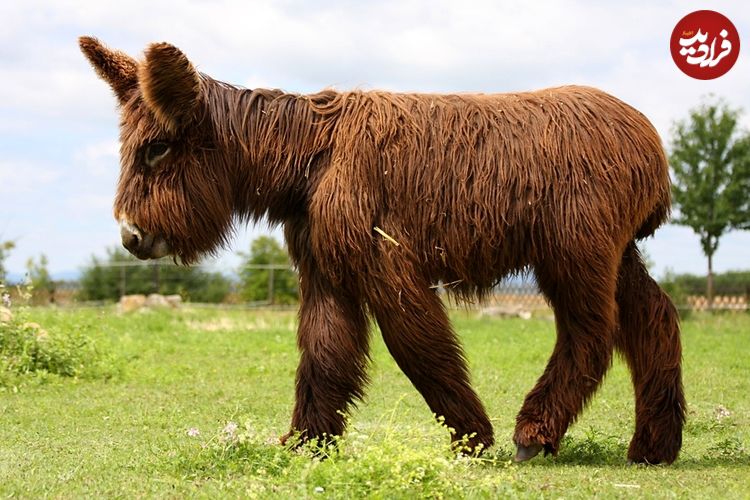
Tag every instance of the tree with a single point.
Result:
(5, 248)
(119, 273)
(266, 275)
(43, 287)
(710, 159)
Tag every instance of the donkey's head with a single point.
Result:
(174, 196)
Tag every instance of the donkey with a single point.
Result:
(381, 195)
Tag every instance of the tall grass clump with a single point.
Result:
(412, 463)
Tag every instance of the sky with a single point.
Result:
(59, 122)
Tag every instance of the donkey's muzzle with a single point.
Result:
(141, 244)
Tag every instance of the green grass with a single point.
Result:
(126, 434)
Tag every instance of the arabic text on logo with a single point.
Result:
(705, 44)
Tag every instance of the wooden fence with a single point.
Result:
(721, 302)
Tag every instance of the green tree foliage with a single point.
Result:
(43, 287)
(5, 248)
(255, 280)
(108, 279)
(710, 159)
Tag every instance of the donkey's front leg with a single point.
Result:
(333, 340)
(418, 334)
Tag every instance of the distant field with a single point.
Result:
(151, 423)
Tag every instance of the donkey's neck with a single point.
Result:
(274, 144)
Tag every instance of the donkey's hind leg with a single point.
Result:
(649, 338)
(583, 297)
(418, 335)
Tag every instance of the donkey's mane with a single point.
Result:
(284, 135)
(270, 124)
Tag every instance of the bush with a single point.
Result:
(727, 283)
(27, 349)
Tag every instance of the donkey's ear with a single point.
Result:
(170, 85)
(114, 67)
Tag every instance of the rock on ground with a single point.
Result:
(506, 311)
(130, 303)
(5, 315)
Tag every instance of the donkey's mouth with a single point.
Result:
(142, 244)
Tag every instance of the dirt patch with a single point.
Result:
(230, 324)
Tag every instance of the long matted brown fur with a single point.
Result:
(382, 195)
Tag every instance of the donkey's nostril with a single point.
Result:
(131, 237)
(142, 245)
(132, 241)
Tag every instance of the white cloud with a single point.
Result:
(86, 204)
(24, 178)
(99, 159)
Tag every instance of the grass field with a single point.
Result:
(156, 417)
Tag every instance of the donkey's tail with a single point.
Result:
(659, 216)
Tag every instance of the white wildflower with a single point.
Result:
(722, 412)
(229, 432)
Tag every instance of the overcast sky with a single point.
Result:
(58, 121)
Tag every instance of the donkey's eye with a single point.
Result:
(155, 152)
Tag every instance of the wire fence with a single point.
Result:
(275, 286)
(252, 285)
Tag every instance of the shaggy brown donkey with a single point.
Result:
(381, 195)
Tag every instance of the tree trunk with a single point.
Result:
(710, 282)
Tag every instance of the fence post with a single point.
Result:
(270, 285)
(155, 276)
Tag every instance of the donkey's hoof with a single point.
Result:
(524, 453)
